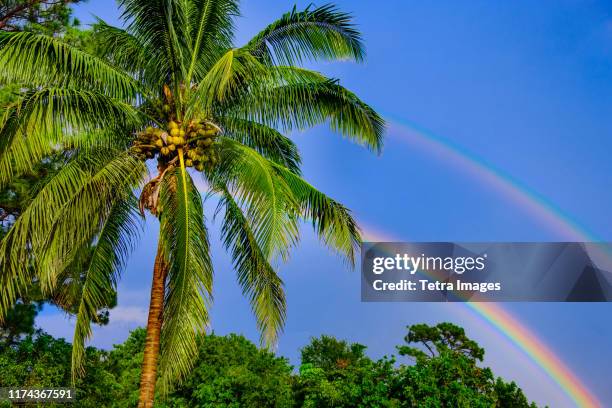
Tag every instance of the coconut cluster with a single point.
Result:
(196, 139)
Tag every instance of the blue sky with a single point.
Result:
(524, 86)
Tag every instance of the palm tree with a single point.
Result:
(170, 89)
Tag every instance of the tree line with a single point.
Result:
(436, 366)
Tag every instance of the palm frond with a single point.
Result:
(114, 244)
(212, 31)
(303, 104)
(29, 232)
(227, 78)
(267, 199)
(65, 215)
(276, 198)
(267, 141)
(38, 60)
(331, 220)
(44, 118)
(314, 33)
(259, 281)
(255, 80)
(131, 55)
(161, 25)
(81, 217)
(184, 239)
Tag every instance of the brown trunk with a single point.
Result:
(148, 376)
(16, 10)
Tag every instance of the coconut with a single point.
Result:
(159, 143)
(165, 151)
(172, 147)
(188, 162)
(174, 132)
(172, 125)
(200, 167)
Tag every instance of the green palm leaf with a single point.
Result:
(131, 55)
(212, 30)
(259, 281)
(161, 25)
(114, 244)
(267, 199)
(184, 239)
(305, 104)
(267, 141)
(46, 117)
(226, 79)
(65, 215)
(331, 220)
(314, 33)
(34, 59)
(276, 198)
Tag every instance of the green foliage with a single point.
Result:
(43, 16)
(337, 374)
(17, 195)
(124, 363)
(446, 372)
(39, 360)
(313, 33)
(448, 380)
(17, 322)
(439, 339)
(106, 259)
(184, 238)
(20, 318)
(230, 371)
(233, 372)
(509, 395)
(328, 353)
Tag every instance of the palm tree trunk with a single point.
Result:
(148, 376)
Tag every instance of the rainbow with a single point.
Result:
(528, 342)
(518, 334)
(492, 313)
(538, 206)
